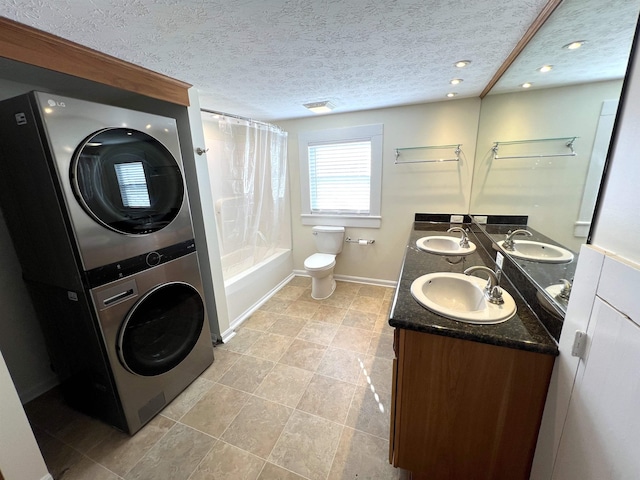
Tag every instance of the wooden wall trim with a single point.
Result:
(34, 47)
(542, 17)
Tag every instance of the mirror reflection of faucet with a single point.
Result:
(508, 243)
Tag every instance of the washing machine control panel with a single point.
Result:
(129, 266)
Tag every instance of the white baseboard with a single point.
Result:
(38, 389)
(350, 278)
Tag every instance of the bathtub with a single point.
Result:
(248, 288)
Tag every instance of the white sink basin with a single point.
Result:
(539, 252)
(443, 245)
(460, 297)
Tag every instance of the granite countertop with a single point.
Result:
(523, 331)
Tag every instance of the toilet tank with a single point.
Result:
(328, 239)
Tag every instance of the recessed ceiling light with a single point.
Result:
(451, 94)
(456, 81)
(462, 63)
(574, 45)
(545, 68)
(526, 85)
(320, 107)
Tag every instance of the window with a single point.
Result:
(341, 176)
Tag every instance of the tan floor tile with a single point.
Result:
(50, 411)
(304, 355)
(258, 426)
(382, 324)
(377, 372)
(318, 332)
(284, 384)
(270, 346)
(174, 457)
(87, 469)
(339, 300)
(348, 288)
(288, 326)
(216, 410)
(367, 304)
(385, 308)
(302, 309)
(328, 398)
(341, 364)
(329, 314)
(274, 472)
(369, 412)
(354, 339)
(359, 319)
(223, 360)
(307, 445)
(187, 399)
(242, 340)
(275, 305)
(260, 320)
(120, 452)
(84, 433)
(362, 456)
(381, 345)
(300, 281)
(389, 293)
(58, 456)
(247, 373)
(290, 292)
(374, 291)
(226, 462)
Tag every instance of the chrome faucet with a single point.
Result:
(492, 292)
(566, 290)
(464, 240)
(508, 239)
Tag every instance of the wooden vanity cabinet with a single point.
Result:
(465, 410)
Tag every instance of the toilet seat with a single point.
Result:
(320, 261)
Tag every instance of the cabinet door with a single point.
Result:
(602, 431)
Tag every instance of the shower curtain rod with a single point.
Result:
(250, 120)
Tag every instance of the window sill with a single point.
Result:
(342, 220)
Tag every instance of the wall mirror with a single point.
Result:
(541, 150)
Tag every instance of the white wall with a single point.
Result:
(617, 226)
(549, 190)
(406, 189)
(20, 457)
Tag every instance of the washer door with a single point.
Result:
(161, 329)
(127, 181)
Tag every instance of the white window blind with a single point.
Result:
(133, 185)
(340, 177)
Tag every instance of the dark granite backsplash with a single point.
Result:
(524, 331)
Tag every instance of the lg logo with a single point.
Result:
(53, 103)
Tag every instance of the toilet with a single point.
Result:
(319, 266)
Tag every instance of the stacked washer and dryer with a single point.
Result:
(94, 199)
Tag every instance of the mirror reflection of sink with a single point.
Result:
(460, 297)
(539, 252)
(443, 245)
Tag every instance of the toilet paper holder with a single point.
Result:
(359, 241)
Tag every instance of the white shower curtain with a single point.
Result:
(248, 178)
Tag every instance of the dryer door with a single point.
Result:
(127, 181)
(161, 329)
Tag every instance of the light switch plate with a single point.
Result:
(457, 218)
(480, 218)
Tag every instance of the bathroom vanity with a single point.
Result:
(467, 399)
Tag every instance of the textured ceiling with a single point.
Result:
(264, 58)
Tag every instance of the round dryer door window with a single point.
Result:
(161, 329)
(127, 181)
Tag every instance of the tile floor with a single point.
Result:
(301, 392)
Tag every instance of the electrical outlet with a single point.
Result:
(480, 218)
(457, 218)
(499, 259)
